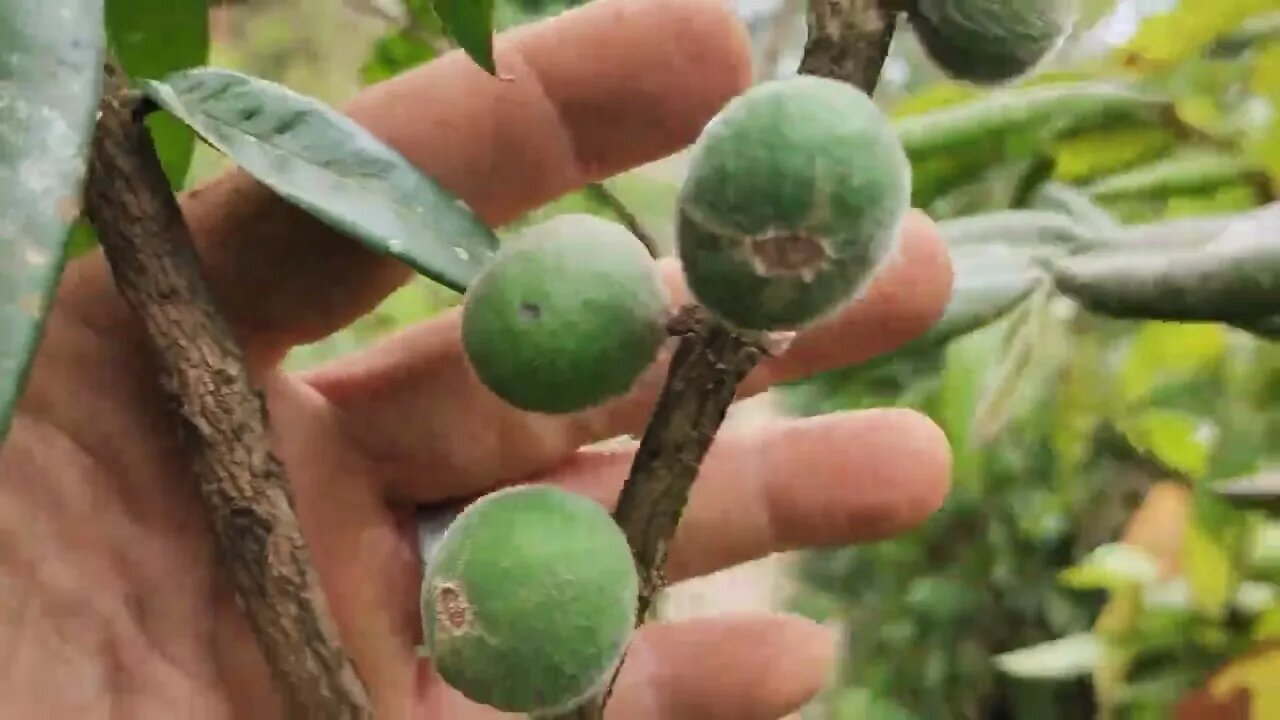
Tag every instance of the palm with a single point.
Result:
(114, 603)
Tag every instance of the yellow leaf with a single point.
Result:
(1179, 441)
(1208, 570)
(1267, 625)
(1165, 352)
(1258, 674)
(1173, 36)
(1086, 156)
(1265, 80)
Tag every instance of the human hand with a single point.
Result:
(112, 602)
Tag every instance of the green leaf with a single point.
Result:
(1178, 440)
(325, 163)
(1110, 567)
(1001, 112)
(470, 24)
(1173, 36)
(1065, 658)
(1107, 150)
(1193, 170)
(1209, 570)
(1163, 353)
(420, 40)
(152, 38)
(50, 83)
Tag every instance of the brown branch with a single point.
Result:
(849, 40)
(223, 418)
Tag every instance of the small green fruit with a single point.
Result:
(566, 316)
(795, 192)
(987, 42)
(530, 600)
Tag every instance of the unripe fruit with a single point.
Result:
(566, 316)
(987, 42)
(530, 600)
(794, 195)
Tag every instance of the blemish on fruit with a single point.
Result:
(530, 311)
(451, 607)
(787, 253)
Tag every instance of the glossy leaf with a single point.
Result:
(50, 84)
(328, 165)
(470, 24)
(152, 38)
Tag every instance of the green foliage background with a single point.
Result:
(1061, 421)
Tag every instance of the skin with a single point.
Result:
(112, 602)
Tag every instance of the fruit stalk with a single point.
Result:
(848, 41)
(245, 489)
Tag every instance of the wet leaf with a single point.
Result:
(325, 163)
(50, 83)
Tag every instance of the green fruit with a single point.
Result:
(530, 600)
(990, 41)
(794, 195)
(566, 316)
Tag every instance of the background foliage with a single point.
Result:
(1082, 567)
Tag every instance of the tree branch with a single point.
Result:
(849, 40)
(223, 418)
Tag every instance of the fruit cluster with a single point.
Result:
(793, 199)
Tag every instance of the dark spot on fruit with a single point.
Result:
(530, 311)
(451, 607)
(787, 253)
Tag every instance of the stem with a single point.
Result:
(848, 40)
(607, 197)
(221, 415)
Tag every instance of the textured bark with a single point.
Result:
(222, 416)
(849, 40)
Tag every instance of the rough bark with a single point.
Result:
(222, 416)
(849, 40)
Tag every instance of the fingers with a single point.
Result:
(412, 401)
(593, 92)
(752, 667)
(831, 480)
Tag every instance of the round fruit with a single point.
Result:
(566, 316)
(530, 600)
(987, 42)
(795, 192)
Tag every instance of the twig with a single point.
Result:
(711, 359)
(607, 197)
(849, 40)
(221, 415)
